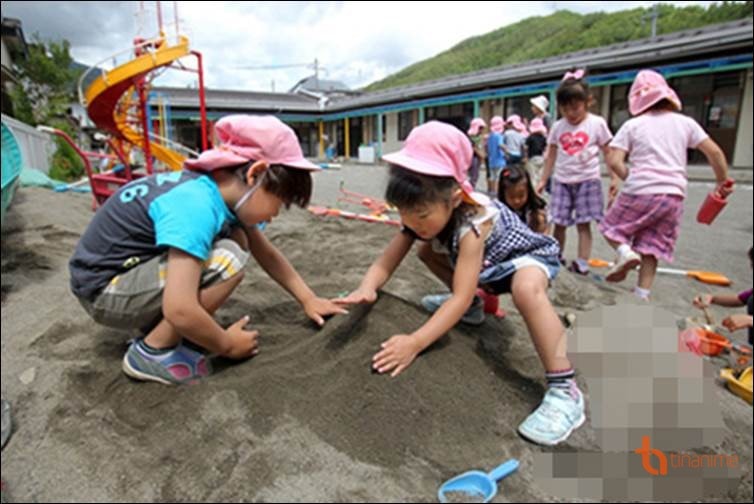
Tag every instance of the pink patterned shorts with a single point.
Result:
(648, 223)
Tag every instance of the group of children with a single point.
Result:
(643, 221)
(152, 261)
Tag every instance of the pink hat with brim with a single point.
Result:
(649, 88)
(440, 150)
(497, 124)
(245, 138)
(518, 125)
(476, 124)
(537, 125)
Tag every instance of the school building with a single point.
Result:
(710, 68)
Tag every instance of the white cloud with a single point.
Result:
(356, 42)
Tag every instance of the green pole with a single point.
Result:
(553, 105)
(379, 135)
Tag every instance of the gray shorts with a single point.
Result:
(493, 173)
(133, 300)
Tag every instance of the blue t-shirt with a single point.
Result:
(143, 219)
(495, 158)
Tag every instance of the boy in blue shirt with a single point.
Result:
(165, 251)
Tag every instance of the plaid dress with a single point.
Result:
(509, 238)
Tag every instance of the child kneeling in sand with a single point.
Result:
(165, 251)
(468, 241)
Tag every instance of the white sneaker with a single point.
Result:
(555, 419)
(623, 265)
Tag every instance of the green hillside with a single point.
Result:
(558, 33)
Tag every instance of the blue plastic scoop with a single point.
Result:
(476, 486)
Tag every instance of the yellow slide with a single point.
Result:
(106, 92)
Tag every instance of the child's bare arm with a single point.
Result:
(616, 162)
(399, 351)
(729, 300)
(738, 321)
(550, 155)
(716, 158)
(181, 307)
(277, 266)
(465, 280)
(280, 270)
(538, 221)
(381, 270)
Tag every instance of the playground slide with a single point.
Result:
(106, 90)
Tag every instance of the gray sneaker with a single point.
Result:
(473, 316)
(178, 366)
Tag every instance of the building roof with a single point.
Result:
(13, 36)
(315, 85)
(241, 100)
(696, 42)
(731, 37)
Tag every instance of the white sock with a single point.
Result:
(623, 250)
(641, 293)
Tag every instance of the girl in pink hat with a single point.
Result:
(575, 143)
(495, 153)
(643, 223)
(536, 143)
(514, 140)
(469, 241)
(165, 251)
(476, 134)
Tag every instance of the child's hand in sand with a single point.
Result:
(359, 296)
(397, 354)
(244, 343)
(737, 321)
(317, 308)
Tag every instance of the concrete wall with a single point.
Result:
(605, 105)
(391, 142)
(744, 150)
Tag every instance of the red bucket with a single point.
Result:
(713, 205)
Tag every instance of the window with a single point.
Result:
(519, 105)
(405, 123)
(618, 106)
(597, 93)
(458, 114)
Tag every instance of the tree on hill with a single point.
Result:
(559, 33)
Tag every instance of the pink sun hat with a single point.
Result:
(440, 150)
(245, 138)
(649, 88)
(497, 124)
(515, 121)
(476, 124)
(537, 125)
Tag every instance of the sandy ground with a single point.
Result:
(306, 420)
